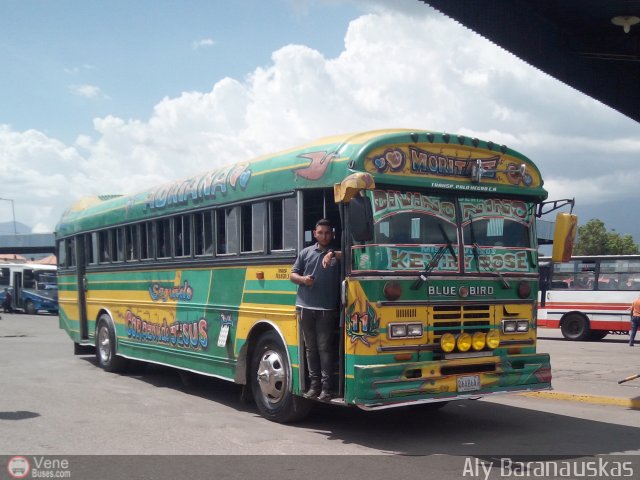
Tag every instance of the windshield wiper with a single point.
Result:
(422, 277)
(449, 244)
(476, 257)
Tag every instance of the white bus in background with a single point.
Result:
(33, 286)
(589, 296)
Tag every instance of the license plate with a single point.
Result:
(468, 383)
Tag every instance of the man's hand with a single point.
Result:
(307, 280)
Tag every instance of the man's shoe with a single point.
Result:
(312, 393)
(324, 396)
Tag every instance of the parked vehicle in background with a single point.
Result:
(589, 296)
(34, 286)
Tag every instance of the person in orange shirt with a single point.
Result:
(635, 320)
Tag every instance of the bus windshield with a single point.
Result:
(45, 280)
(411, 229)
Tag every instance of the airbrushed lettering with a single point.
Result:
(195, 189)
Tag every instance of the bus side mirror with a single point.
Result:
(564, 237)
(360, 218)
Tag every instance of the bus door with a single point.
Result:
(82, 285)
(17, 289)
(545, 283)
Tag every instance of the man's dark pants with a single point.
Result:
(318, 327)
(635, 324)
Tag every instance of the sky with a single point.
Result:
(102, 97)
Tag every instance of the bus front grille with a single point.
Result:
(456, 319)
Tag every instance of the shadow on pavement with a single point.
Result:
(465, 428)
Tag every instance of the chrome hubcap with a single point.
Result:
(271, 376)
(104, 344)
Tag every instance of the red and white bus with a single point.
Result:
(589, 296)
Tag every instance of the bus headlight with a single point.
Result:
(405, 330)
(414, 330)
(398, 330)
(464, 342)
(478, 341)
(509, 326)
(515, 326)
(447, 342)
(493, 339)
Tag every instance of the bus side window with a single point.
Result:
(203, 233)
(131, 242)
(182, 235)
(28, 279)
(62, 253)
(146, 241)
(227, 230)
(163, 238)
(105, 247)
(91, 247)
(118, 244)
(253, 218)
(283, 224)
(71, 252)
(4, 277)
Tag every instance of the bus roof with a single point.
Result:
(402, 157)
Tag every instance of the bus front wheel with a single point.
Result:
(575, 327)
(106, 346)
(30, 308)
(271, 382)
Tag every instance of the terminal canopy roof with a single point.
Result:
(574, 41)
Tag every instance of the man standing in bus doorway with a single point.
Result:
(635, 320)
(316, 271)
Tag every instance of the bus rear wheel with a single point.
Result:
(575, 327)
(106, 346)
(271, 382)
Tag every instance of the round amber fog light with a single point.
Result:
(464, 342)
(493, 339)
(478, 341)
(447, 342)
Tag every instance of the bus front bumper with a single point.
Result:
(385, 386)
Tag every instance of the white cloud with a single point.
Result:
(202, 43)
(87, 91)
(396, 70)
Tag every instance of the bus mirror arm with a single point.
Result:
(553, 205)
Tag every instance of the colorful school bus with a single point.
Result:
(439, 271)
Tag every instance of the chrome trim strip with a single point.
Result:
(451, 356)
(461, 302)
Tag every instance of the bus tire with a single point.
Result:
(30, 308)
(597, 335)
(270, 378)
(575, 327)
(106, 346)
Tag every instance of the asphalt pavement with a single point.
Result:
(590, 371)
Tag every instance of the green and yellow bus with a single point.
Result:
(439, 271)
